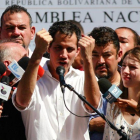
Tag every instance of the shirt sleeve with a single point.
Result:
(30, 106)
(101, 107)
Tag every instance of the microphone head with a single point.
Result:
(23, 62)
(104, 85)
(2, 68)
(5, 80)
(60, 70)
(40, 72)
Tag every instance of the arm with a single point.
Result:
(91, 88)
(28, 81)
(97, 124)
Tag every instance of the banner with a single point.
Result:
(90, 13)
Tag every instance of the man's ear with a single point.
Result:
(78, 51)
(119, 56)
(7, 63)
(32, 32)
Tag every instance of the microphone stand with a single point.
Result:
(119, 131)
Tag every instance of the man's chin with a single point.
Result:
(103, 76)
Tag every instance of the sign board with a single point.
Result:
(90, 13)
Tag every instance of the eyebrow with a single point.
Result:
(10, 25)
(123, 38)
(103, 52)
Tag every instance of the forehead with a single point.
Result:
(63, 39)
(16, 18)
(131, 60)
(126, 33)
(103, 49)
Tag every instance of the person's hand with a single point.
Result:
(1, 108)
(87, 45)
(42, 40)
(97, 124)
(127, 105)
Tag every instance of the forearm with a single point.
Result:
(27, 83)
(91, 88)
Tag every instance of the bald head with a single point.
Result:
(10, 51)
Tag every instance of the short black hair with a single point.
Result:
(16, 9)
(78, 25)
(136, 36)
(104, 35)
(65, 27)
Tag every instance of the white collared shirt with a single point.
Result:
(46, 117)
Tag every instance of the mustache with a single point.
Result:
(101, 65)
(17, 37)
(61, 59)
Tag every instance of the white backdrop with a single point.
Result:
(90, 13)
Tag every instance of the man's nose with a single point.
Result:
(16, 32)
(101, 60)
(64, 53)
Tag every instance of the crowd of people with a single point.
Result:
(38, 110)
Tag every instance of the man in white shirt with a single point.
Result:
(41, 103)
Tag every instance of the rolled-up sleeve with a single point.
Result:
(30, 106)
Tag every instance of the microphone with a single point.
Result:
(2, 69)
(40, 72)
(19, 69)
(110, 92)
(5, 89)
(60, 71)
(5, 80)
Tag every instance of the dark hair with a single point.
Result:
(105, 35)
(135, 52)
(136, 36)
(77, 24)
(65, 27)
(16, 9)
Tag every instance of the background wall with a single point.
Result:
(91, 13)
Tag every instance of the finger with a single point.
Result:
(1, 107)
(88, 39)
(122, 100)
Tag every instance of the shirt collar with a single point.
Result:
(71, 70)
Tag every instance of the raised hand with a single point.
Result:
(43, 40)
(87, 45)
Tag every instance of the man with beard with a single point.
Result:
(106, 56)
